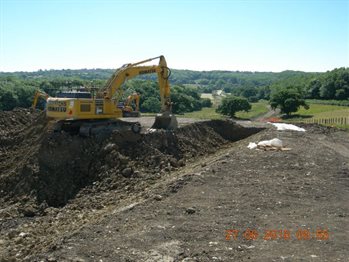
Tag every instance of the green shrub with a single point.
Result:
(232, 104)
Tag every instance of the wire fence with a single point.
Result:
(329, 121)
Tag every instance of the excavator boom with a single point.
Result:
(165, 119)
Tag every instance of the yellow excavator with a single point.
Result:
(88, 114)
(127, 109)
(37, 95)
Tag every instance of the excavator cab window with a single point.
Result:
(74, 95)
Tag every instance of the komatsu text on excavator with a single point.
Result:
(89, 114)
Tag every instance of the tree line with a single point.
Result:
(17, 89)
(17, 92)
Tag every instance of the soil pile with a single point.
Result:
(19, 124)
(68, 198)
(42, 166)
(22, 133)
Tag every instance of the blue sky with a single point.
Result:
(307, 35)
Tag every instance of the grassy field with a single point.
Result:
(328, 102)
(257, 109)
(319, 111)
(315, 111)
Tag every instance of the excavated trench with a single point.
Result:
(53, 168)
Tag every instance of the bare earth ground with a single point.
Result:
(183, 214)
(147, 122)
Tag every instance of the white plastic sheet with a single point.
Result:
(283, 126)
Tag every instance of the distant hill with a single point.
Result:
(208, 80)
(17, 89)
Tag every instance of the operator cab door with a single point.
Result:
(99, 106)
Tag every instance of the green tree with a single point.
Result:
(263, 93)
(335, 84)
(327, 89)
(25, 96)
(151, 105)
(185, 99)
(253, 99)
(206, 102)
(288, 100)
(232, 104)
(314, 89)
(8, 100)
(341, 94)
(248, 92)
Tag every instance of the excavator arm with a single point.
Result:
(113, 90)
(37, 95)
(129, 71)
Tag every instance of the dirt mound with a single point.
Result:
(16, 124)
(318, 129)
(14, 121)
(122, 191)
(22, 132)
(53, 168)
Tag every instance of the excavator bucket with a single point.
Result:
(165, 121)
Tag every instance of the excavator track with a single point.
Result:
(96, 127)
(131, 114)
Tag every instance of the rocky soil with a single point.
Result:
(172, 196)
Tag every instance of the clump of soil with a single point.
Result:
(52, 168)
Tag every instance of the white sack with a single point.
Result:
(273, 142)
(252, 145)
